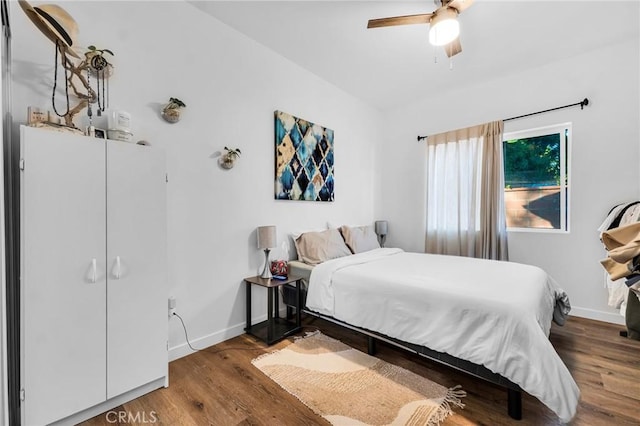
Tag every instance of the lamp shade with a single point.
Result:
(444, 27)
(266, 237)
(381, 227)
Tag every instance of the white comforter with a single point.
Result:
(497, 314)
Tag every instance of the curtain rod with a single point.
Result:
(582, 104)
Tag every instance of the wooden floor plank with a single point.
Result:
(220, 386)
(622, 385)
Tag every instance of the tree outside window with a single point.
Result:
(536, 178)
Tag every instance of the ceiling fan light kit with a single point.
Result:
(444, 27)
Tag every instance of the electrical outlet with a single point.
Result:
(172, 306)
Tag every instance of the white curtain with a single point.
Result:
(465, 193)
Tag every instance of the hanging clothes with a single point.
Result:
(620, 234)
(620, 215)
(623, 245)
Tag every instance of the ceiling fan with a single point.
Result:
(445, 28)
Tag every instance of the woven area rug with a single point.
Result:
(349, 387)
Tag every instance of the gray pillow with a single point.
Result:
(316, 247)
(360, 238)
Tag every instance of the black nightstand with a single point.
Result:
(274, 328)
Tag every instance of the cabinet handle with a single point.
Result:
(94, 270)
(118, 268)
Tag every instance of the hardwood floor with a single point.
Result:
(220, 386)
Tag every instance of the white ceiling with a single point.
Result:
(387, 67)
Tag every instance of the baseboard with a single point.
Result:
(204, 342)
(612, 317)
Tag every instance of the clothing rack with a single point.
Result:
(582, 104)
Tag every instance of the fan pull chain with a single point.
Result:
(451, 64)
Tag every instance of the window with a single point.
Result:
(536, 174)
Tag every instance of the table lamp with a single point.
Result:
(381, 231)
(266, 241)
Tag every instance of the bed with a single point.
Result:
(488, 318)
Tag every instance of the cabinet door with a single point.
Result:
(62, 297)
(137, 284)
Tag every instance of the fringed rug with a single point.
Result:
(348, 387)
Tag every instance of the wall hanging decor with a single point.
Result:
(173, 110)
(59, 27)
(304, 159)
(228, 159)
(94, 69)
(100, 69)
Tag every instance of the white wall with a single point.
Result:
(604, 159)
(231, 86)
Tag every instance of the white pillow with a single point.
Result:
(360, 238)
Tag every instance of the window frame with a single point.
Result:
(565, 173)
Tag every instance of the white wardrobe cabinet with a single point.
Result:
(93, 274)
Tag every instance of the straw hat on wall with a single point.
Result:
(55, 23)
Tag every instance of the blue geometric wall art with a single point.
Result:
(304, 159)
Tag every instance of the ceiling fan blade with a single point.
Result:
(400, 20)
(453, 48)
(459, 5)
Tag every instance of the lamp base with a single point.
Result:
(266, 272)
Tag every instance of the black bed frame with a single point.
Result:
(514, 392)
